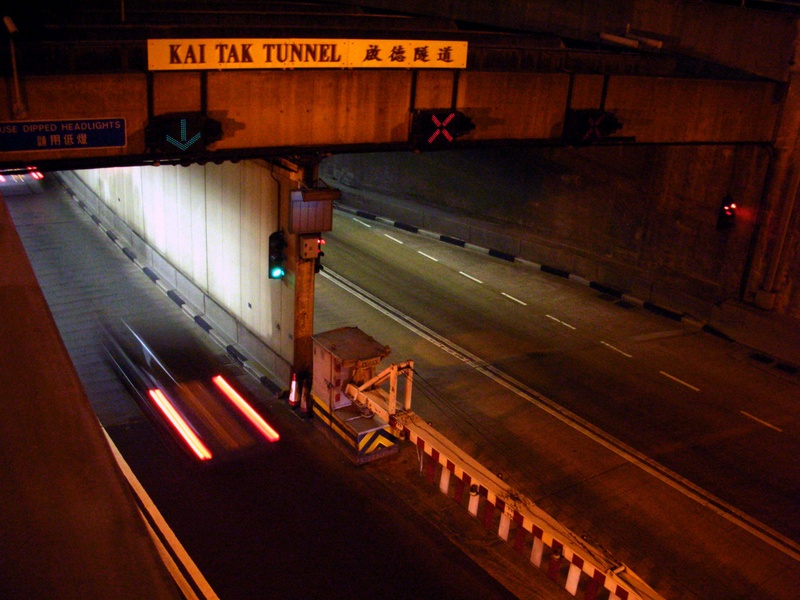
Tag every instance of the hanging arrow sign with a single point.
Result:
(171, 134)
(183, 144)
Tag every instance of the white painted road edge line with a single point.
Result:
(688, 385)
(187, 562)
(360, 222)
(470, 277)
(757, 420)
(428, 256)
(518, 301)
(615, 349)
(394, 239)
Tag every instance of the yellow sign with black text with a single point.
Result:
(217, 54)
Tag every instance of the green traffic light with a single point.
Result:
(276, 273)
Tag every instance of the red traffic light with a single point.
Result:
(726, 218)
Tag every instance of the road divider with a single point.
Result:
(568, 559)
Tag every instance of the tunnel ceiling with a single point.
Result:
(66, 36)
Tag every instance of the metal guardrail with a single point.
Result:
(520, 520)
(589, 567)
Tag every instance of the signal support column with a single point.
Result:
(310, 214)
(303, 314)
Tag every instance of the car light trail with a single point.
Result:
(180, 425)
(688, 385)
(428, 256)
(517, 300)
(248, 411)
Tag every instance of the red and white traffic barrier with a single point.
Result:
(521, 522)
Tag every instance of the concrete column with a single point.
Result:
(303, 314)
(303, 291)
(781, 197)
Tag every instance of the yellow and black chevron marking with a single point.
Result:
(321, 411)
(369, 443)
(376, 440)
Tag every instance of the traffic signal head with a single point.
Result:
(439, 127)
(588, 126)
(726, 218)
(277, 245)
(181, 133)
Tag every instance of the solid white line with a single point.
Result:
(607, 345)
(428, 256)
(559, 321)
(470, 277)
(688, 385)
(166, 531)
(514, 299)
(362, 223)
(393, 238)
(770, 425)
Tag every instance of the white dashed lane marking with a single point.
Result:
(362, 223)
(551, 317)
(517, 300)
(470, 277)
(394, 239)
(428, 256)
(688, 385)
(757, 420)
(615, 349)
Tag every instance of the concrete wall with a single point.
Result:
(641, 220)
(205, 230)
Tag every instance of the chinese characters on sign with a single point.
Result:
(168, 55)
(73, 134)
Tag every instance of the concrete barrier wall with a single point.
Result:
(204, 230)
(639, 219)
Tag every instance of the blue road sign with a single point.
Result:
(71, 134)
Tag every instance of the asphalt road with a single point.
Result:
(670, 395)
(695, 403)
(299, 522)
(641, 377)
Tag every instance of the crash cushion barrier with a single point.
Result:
(365, 442)
(565, 557)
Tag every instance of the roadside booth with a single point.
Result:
(349, 356)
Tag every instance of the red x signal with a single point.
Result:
(441, 127)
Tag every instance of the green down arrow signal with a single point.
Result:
(183, 144)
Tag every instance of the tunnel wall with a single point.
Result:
(641, 220)
(206, 230)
